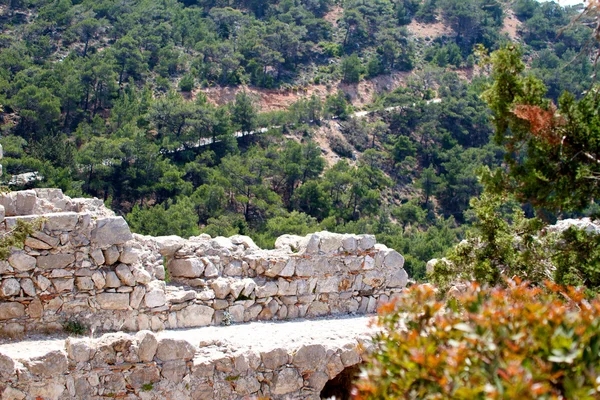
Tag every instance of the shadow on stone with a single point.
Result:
(340, 387)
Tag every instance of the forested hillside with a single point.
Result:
(374, 112)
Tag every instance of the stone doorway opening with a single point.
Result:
(340, 387)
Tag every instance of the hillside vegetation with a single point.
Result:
(113, 99)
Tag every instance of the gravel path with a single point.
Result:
(258, 336)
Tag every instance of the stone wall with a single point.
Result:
(145, 366)
(85, 265)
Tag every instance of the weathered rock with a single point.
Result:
(109, 231)
(98, 279)
(186, 268)
(42, 282)
(49, 365)
(35, 309)
(195, 315)
(286, 381)
(129, 255)
(136, 297)
(142, 276)
(172, 349)
(63, 285)
(168, 245)
(155, 296)
(393, 260)
(274, 359)
(98, 256)
(10, 287)
(111, 255)
(84, 283)
(62, 222)
(37, 244)
(55, 261)
(143, 376)
(28, 287)
(397, 279)
(7, 366)
(113, 301)
(21, 261)
(112, 280)
(147, 345)
(308, 358)
(221, 287)
(125, 275)
(174, 370)
(79, 350)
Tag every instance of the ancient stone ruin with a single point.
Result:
(82, 265)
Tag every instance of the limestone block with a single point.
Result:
(147, 345)
(10, 287)
(174, 370)
(42, 282)
(112, 280)
(269, 289)
(367, 242)
(35, 309)
(37, 244)
(221, 287)
(61, 222)
(52, 241)
(28, 287)
(49, 365)
(25, 202)
(141, 276)
(328, 285)
(79, 350)
(397, 279)
(7, 366)
(249, 286)
(350, 357)
(169, 245)
(393, 260)
(288, 242)
(288, 380)
(334, 366)
(349, 243)
(318, 380)
(9, 202)
(245, 241)
(206, 295)
(145, 375)
(125, 275)
(110, 231)
(111, 255)
(318, 309)
(46, 390)
(246, 386)
(137, 296)
(180, 296)
(98, 257)
(186, 268)
(234, 268)
(5, 267)
(310, 357)
(173, 349)
(330, 243)
(210, 269)
(237, 286)
(21, 261)
(274, 359)
(374, 278)
(195, 315)
(237, 313)
(129, 255)
(55, 261)
(98, 279)
(155, 295)
(113, 301)
(84, 283)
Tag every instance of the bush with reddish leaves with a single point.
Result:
(517, 342)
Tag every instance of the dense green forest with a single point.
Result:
(114, 99)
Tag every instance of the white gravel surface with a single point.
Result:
(257, 336)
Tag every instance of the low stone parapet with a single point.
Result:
(88, 267)
(189, 364)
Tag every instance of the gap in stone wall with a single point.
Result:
(340, 387)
